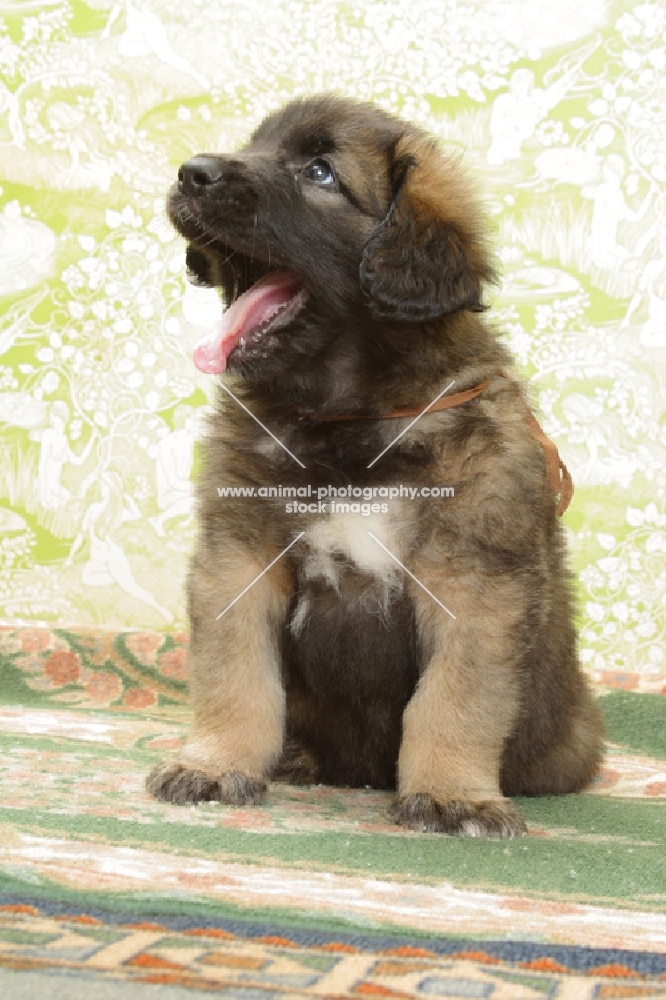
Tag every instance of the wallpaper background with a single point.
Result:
(559, 111)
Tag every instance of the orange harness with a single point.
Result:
(558, 476)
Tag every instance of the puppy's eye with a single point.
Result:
(319, 172)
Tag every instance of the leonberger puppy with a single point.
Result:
(417, 642)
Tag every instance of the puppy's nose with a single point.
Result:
(198, 173)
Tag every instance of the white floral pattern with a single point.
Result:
(560, 111)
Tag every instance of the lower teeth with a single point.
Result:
(258, 336)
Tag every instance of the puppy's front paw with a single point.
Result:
(495, 818)
(184, 785)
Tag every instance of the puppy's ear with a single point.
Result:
(427, 257)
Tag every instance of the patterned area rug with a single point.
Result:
(314, 893)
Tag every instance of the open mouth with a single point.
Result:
(248, 328)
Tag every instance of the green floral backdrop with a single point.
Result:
(559, 111)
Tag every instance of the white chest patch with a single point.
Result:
(350, 536)
(341, 540)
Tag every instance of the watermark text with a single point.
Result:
(338, 492)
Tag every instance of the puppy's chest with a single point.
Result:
(342, 545)
(351, 633)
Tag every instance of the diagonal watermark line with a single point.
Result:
(425, 410)
(414, 578)
(220, 382)
(277, 558)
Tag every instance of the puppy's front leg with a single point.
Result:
(464, 707)
(235, 684)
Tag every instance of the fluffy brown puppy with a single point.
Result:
(352, 252)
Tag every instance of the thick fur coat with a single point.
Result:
(336, 665)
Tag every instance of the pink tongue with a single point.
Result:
(259, 304)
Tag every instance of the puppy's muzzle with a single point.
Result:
(199, 174)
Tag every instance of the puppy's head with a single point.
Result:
(335, 216)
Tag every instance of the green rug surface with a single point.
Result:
(316, 887)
